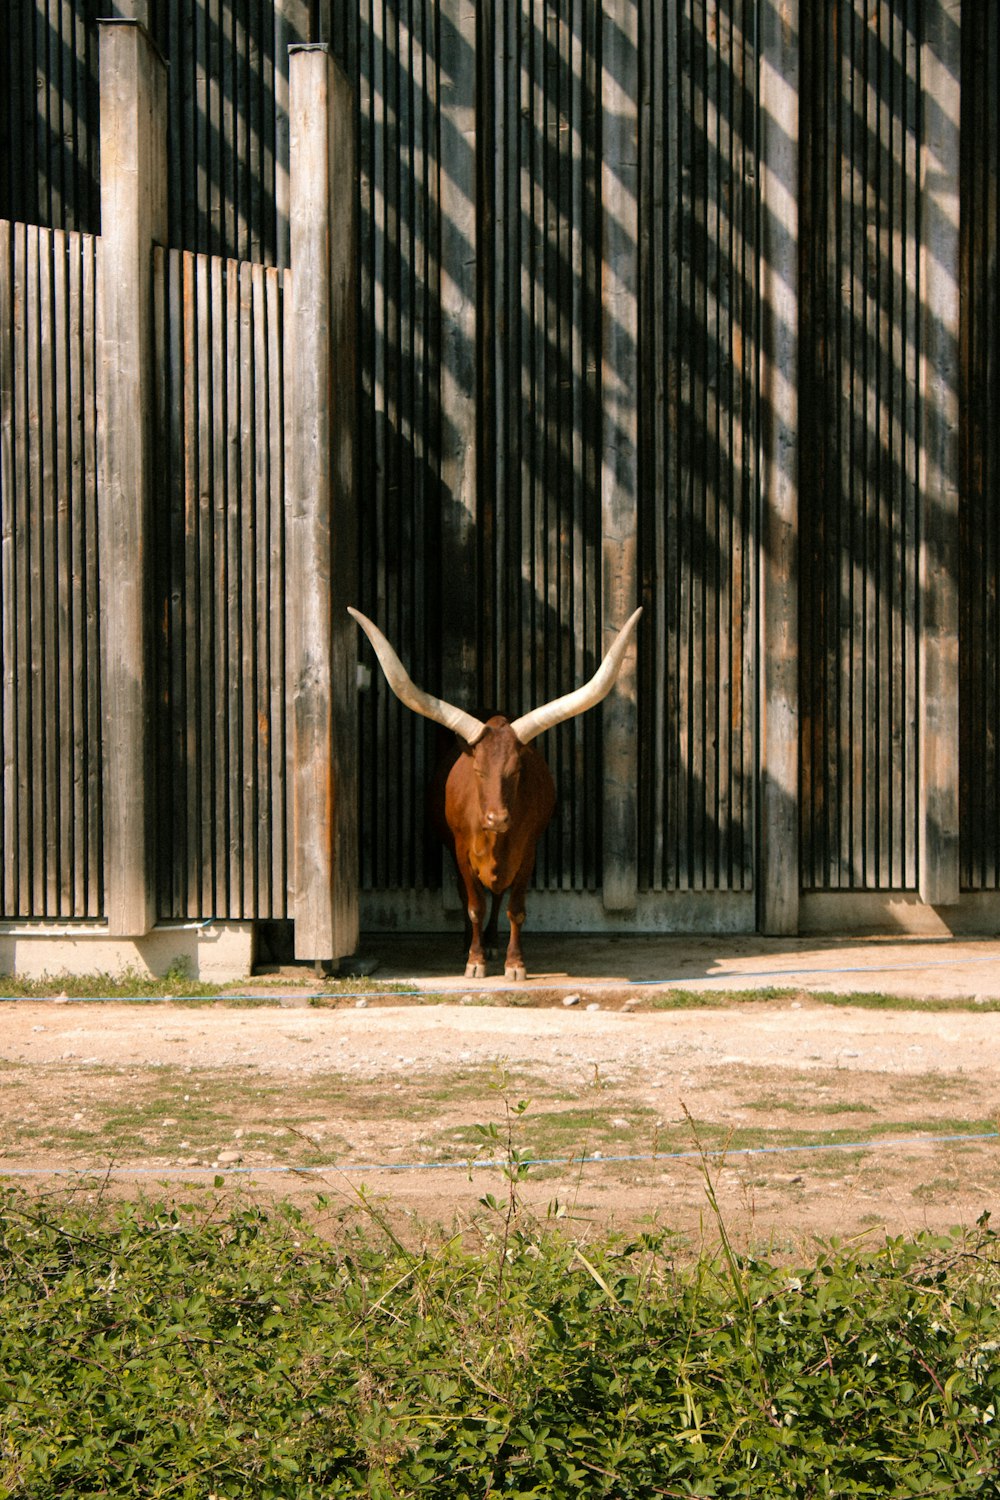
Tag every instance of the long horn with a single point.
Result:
(407, 692)
(571, 704)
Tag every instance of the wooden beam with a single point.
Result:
(133, 216)
(778, 862)
(322, 578)
(620, 434)
(940, 75)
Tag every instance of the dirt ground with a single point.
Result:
(810, 1119)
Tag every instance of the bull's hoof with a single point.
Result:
(517, 972)
(475, 971)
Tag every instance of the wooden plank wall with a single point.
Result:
(698, 467)
(221, 126)
(49, 137)
(224, 102)
(979, 627)
(540, 414)
(390, 52)
(220, 562)
(50, 709)
(537, 565)
(858, 446)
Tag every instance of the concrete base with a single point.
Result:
(977, 914)
(216, 953)
(716, 912)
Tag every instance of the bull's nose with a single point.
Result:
(496, 822)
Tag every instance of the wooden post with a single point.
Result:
(133, 216)
(940, 74)
(322, 580)
(778, 861)
(620, 434)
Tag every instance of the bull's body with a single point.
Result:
(493, 798)
(491, 803)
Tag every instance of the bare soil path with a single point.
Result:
(833, 1119)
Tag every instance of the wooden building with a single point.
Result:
(495, 320)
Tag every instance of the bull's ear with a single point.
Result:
(572, 704)
(396, 675)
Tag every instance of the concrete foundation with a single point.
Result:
(216, 952)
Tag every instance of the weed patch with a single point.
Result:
(154, 1350)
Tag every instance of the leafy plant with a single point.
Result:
(151, 1350)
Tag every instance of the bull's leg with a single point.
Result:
(513, 964)
(475, 967)
(490, 935)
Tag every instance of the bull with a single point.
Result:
(493, 798)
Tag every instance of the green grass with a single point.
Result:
(680, 999)
(176, 985)
(193, 1350)
(173, 1114)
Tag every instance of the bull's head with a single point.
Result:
(498, 738)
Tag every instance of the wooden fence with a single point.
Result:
(51, 821)
(219, 587)
(653, 303)
(859, 450)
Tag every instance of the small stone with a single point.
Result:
(594, 1005)
(361, 1004)
(467, 1000)
(168, 1121)
(571, 1000)
(228, 1157)
(795, 1005)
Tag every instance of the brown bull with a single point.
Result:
(498, 793)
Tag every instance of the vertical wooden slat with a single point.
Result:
(176, 892)
(262, 529)
(248, 579)
(940, 166)
(203, 682)
(8, 579)
(75, 583)
(190, 701)
(94, 830)
(778, 884)
(458, 293)
(24, 904)
(220, 499)
(48, 836)
(619, 474)
(236, 375)
(275, 611)
(64, 734)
